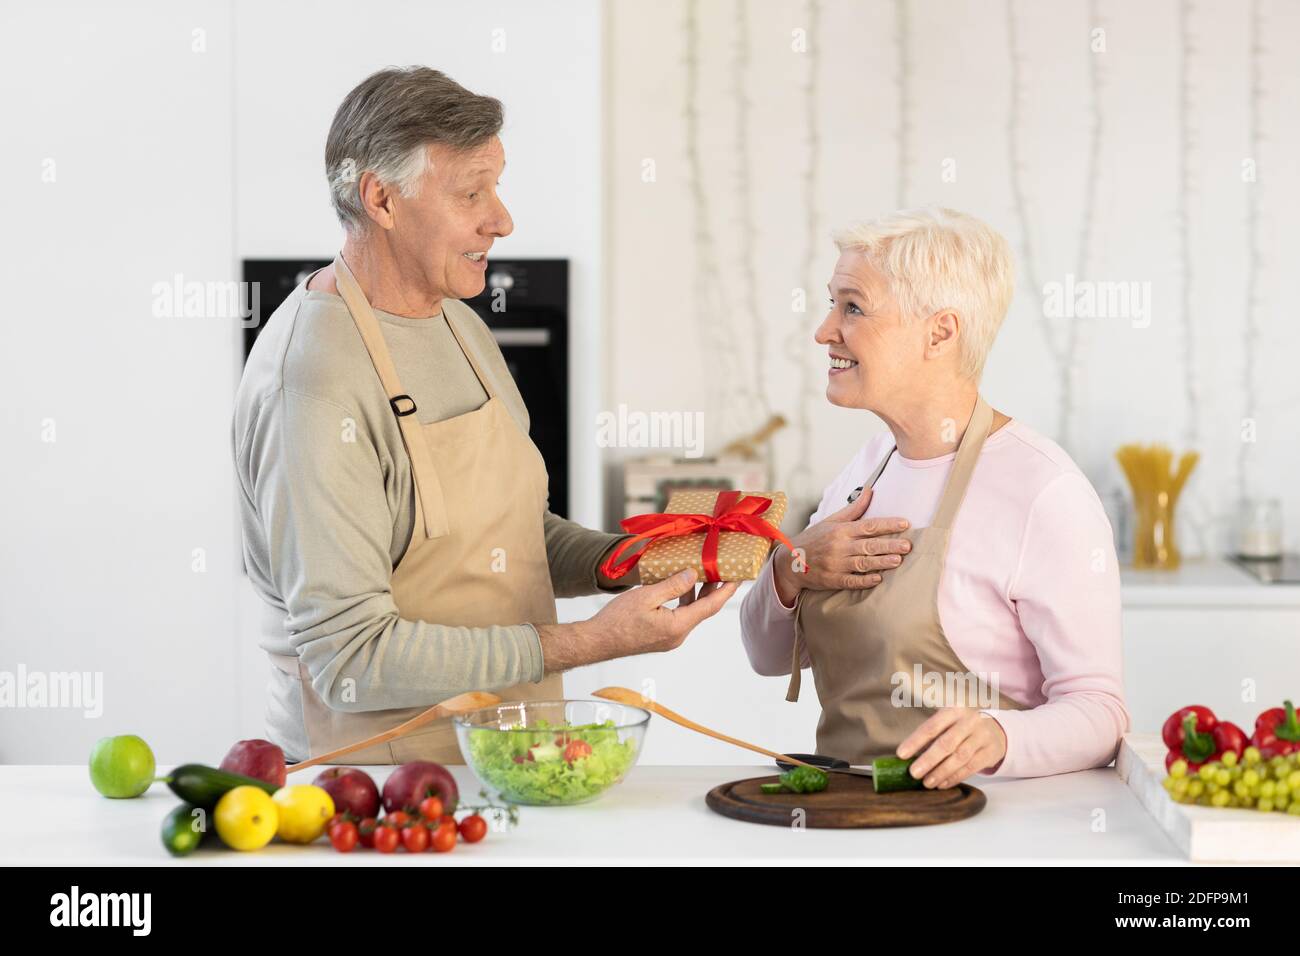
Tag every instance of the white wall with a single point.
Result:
(168, 161)
(1131, 382)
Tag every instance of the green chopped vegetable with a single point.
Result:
(543, 764)
(804, 780)
(771, 788)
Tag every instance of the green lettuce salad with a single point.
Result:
(543, 764)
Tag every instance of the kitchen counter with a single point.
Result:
(51, 815)
(1204, 583)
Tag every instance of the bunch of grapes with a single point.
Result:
(1251, 782)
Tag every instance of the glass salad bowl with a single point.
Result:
(552, 752)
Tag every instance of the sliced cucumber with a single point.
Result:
(891, 774)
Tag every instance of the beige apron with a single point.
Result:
(866, 644)
(480, 494)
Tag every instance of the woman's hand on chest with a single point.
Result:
(842, 551)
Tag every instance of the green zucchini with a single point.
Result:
(181, 833)
(890, 774)
(204, 786)
(771, 788)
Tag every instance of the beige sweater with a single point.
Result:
(326, 520)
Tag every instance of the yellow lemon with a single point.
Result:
(246, 818)
(304, 811)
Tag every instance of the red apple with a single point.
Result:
(259, 759)
(412, 782)
(352, 790)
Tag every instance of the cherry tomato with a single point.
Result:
(398, 818)
(431, 808)
(576, 750)
(344, 836)
(473, 828)
(386, 839)
(415, 838)
(444, 838)
(366, 831)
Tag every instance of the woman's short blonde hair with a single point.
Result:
(936, 259)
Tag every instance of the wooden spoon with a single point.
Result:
(460, 704)
(630, 697)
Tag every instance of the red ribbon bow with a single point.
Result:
(731, 512)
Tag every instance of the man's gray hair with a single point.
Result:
(385, 124)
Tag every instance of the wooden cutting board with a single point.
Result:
(1204, 834)
(847, 802)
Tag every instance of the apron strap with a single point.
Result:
(796, 657)
(796, 672)
(427, 486)
(964, 464)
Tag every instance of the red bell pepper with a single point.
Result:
(1277, 731)
(1195, 735)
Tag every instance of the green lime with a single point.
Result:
(121, 766)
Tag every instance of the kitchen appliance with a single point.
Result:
(1284, 569)
(648, 483)
(525, 303)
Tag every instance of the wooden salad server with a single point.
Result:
(623, 695)
(460, 704)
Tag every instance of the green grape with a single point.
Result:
(1195, 788)
(1178, 769)
(1268, 788)
(1265, 805)
(1222, 777)
(1168, 784)
(1206, 772)
(1229, 759)
(1294, 808)
(1250, 778)
(1180, 786)
(1221, 799)
(1251, 756)
(1240, 790)
(1293, 780)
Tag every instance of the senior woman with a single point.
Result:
(956, 594)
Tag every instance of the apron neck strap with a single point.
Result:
(963, 465)
(425, 475)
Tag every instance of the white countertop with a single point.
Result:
(1203, 582)
(52, 815)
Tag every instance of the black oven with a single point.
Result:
(526, 305)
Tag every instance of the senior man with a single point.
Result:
(395, 511)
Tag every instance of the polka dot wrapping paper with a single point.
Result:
(740, 556)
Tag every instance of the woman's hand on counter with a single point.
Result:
(634, 622)
(954, 743)
(844, 550)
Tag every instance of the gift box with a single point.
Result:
(723, 535)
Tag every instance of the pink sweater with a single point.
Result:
(1030, 591)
